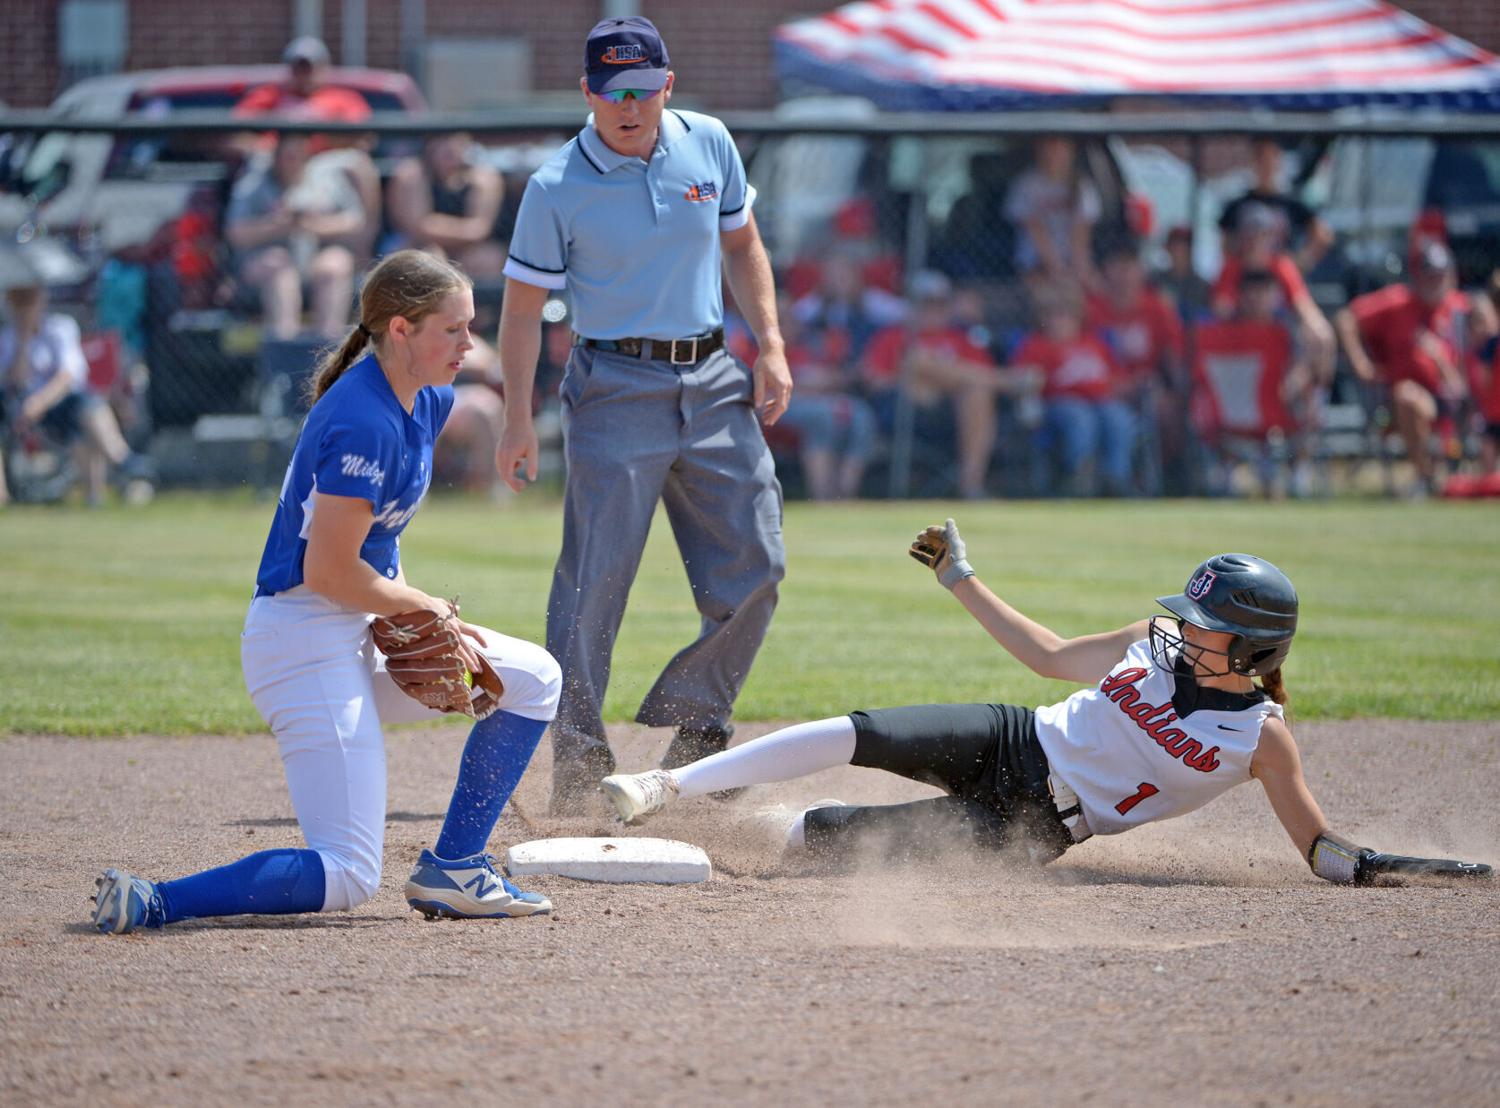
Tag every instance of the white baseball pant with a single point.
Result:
(316, 678)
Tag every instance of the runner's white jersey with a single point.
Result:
(1123, 749)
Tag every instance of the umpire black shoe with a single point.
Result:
(689, 744)
(575, 780)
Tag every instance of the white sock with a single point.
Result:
(782, 755)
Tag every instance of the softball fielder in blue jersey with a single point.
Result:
(332, 564)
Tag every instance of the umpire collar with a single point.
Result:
(605, 160)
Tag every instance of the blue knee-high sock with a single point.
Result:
(271, 882)
(495, 757)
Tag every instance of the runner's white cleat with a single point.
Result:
(638, 795)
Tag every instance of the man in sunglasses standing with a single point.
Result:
(632, 218)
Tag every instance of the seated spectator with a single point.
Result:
(44, 387)
(286, 229)
(347, 157)
(1487, 386)
(1258, 247)
(844, 312)
(446, 203)
(1136, 321)
(834, 429)
(1179, 281)
(1144, 334)
(1253, 393)
(974, 244)
(1299, 232)
(1407, 338)
(1054, 209)
(305, 93)
(1085, 416)
(949, 381)
(855, 231)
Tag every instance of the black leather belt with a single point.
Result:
(688, 351)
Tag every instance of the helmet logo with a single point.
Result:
(1198, 587)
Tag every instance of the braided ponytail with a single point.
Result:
(1273, 686)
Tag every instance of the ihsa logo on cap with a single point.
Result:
(626, 53)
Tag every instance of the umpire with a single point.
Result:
(632, 218)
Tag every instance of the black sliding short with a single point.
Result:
(986, 757)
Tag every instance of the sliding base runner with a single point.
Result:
(1171, 716)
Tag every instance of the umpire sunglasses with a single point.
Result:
(617, 95)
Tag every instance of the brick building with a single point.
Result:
(721, 49)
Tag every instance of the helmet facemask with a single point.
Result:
(1169, 647)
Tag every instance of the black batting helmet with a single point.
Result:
(1250, 599)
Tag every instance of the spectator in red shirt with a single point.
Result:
(1258, 246)
(1487, 386)
(1253, 396)
(845, 311)
(950, 381)
(834, 429)
(1407, 337)
(1144, 333)
(1136, 321)
(305, 94)
(1085, 414)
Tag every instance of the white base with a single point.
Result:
(652, 861)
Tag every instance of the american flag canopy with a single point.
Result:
(969, 55)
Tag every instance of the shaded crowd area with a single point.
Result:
(975, 316)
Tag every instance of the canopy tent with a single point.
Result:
(980, 55)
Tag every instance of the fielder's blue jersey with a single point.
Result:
(358, 441)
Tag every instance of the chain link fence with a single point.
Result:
(1025, 306)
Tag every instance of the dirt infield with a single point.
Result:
(1195, 962)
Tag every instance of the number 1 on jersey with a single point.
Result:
(1140, 794)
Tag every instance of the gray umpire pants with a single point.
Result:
(637, 432)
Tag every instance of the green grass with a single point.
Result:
(126, 622)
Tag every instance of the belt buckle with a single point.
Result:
(691, 360)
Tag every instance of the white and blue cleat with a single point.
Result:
(468, 888)
(125, 902)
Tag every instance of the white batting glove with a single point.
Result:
(942, 550)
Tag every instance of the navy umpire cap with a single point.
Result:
(625, 53)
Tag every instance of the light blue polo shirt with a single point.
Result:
(636, 244)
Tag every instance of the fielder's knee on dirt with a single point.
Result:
(348, 879)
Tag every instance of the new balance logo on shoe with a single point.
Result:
(481, 886)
